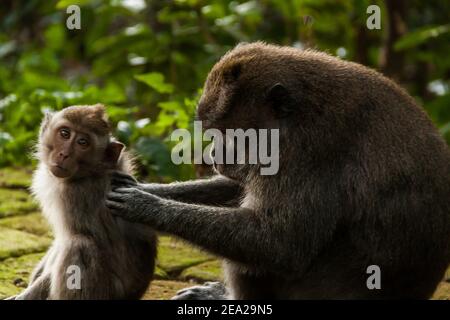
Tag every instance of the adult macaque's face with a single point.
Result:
(234, 99)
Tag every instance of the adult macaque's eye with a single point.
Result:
(65, 133)
(83, 142)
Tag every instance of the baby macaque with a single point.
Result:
(94, 255)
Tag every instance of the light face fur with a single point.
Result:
(364, 179)
(116, 258)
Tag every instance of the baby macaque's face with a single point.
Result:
(75, 142)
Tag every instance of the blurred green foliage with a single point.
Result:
(147, 60)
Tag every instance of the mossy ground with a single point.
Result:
(15, 202)
(209, 271)
(25, 236)
(15, 178)
(186, 256)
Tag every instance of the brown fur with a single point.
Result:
(93, 118)
(116, 258)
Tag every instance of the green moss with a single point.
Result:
(14, 243)
(208, 271)
(15, 273)
(33, 223)
(164, 290)
(15, 177)
(174, 256)
(160, 273)
(15, 202)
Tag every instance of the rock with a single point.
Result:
(14, 243)
(16, 202)
(19, 282)
(208, 271)
(160, 274)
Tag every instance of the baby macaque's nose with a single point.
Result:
(63, 155)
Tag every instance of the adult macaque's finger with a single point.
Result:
(120, 176)
(115, 207)
(116, 183)
(124, 190)
(114, 196)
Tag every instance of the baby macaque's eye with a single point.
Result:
(65, 133)
(83, 142)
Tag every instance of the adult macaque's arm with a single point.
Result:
(217, 190)
(239, 234)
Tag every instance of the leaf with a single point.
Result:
(124, 131)
(413, 39)
(54, 36)
(7, 48)
(155, 153)
(156, 81)
(170, 105)
(445, 129)
(63, 4)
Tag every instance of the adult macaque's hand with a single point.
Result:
(134, 205)
(123, 180)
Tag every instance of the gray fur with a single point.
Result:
(364, 179)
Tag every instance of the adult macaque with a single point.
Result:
(94, 255)
(364, 179)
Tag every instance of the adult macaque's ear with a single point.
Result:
(112, 152)
(281, 100)
(233, 72)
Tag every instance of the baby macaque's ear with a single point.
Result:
(112, 152)
(45, 122)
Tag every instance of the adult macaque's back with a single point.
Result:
(94, 255)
